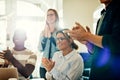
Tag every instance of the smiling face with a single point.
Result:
(62, 42)
(51, 17)
(19, 38)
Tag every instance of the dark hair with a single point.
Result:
(67, 36)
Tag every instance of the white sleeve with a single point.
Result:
(57, 75)
(49, 76)
(54, 74)
(75, 71)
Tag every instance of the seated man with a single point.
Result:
(20, 57)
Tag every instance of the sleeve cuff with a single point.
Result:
(48, 75)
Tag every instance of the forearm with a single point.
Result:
(94, 39)
(24, 70)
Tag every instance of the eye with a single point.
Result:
(50, 14)
(60, 39)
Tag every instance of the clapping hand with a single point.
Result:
(79, 33)
(48, 64)
(7, 54)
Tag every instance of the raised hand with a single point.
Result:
(48, 64)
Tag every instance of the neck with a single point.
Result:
(67, 51)
(19, 48)
(107, 3)
(52, 27)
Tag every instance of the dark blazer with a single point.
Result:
(106, 61)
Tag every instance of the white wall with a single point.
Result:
(80, 11)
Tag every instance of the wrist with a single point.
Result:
(87, 36)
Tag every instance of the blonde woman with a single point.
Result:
(47, 43)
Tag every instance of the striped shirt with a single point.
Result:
(24, 57)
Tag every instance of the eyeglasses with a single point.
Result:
(60, 39)
(50, 14)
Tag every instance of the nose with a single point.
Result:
(58, 41)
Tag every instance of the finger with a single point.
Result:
(53, 63)
(79, 26)
(74, 28)
(48, 61)
(72, 34)
(2, 52)
(45, 60)
(77, 23)
(88, 29)
(1, 56)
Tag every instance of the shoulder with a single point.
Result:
(57, 53)
(77, 56)
(30, 53)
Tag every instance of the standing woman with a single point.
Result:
(47, 44)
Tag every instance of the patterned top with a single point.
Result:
(24, 57)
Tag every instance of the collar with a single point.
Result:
(103, 11)
(68, 55)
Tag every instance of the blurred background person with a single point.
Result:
(20, 57)
(47, 43)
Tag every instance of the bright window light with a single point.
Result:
(28, 9)
(2, 7)
(2, 34)
(33, 29)
(28, 18)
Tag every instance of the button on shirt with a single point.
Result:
(69, 67)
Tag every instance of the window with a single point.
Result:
(28, 15)
(2, 25)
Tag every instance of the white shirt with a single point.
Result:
(69, 67)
